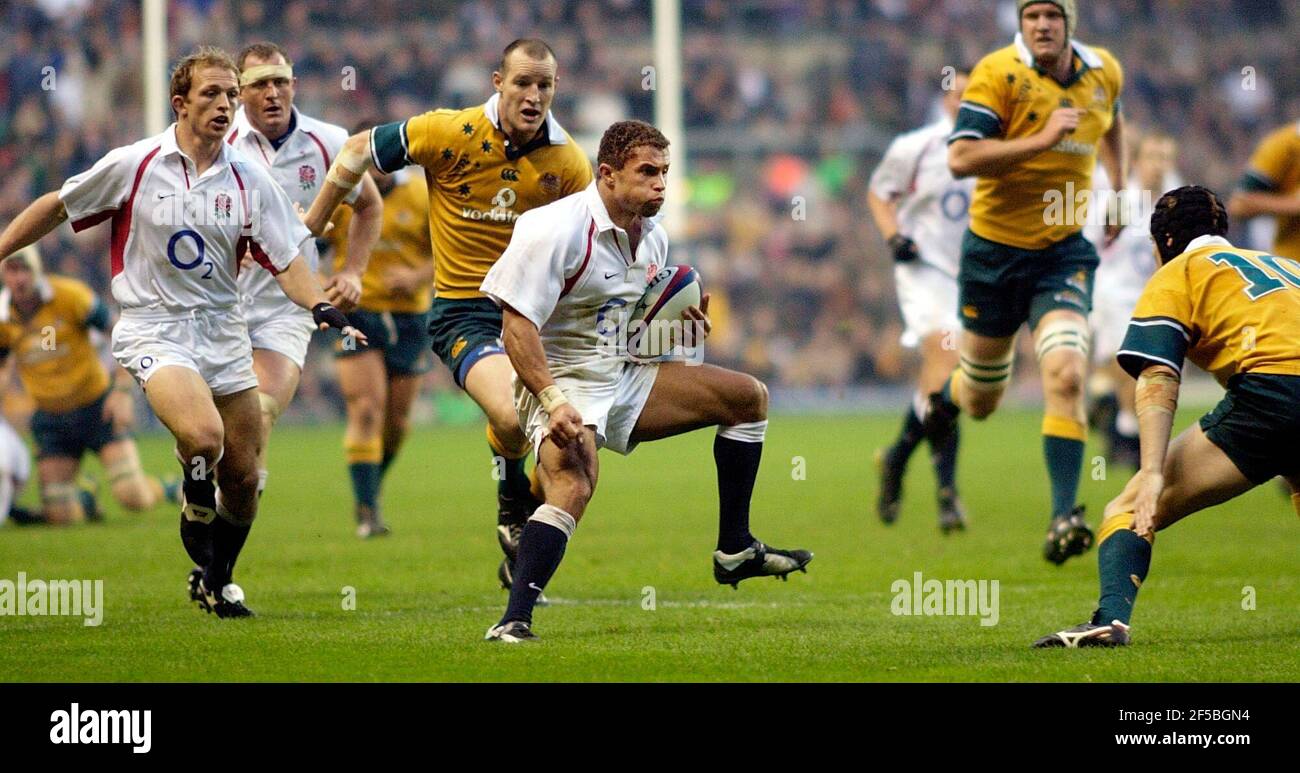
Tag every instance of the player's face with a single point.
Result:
(1043, 27)
(527, 87)
(640, 185)
(18, 279)
(210, 106)
(269, 102)
(1155, 159)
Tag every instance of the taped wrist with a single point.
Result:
(552, 398)
(347, 169)
(1157, 392)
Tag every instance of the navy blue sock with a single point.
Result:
(1064, 465)
(541, 547)
(737, 463)
(943, 454)
(365, 483)
(1122, 564)
(384, 463)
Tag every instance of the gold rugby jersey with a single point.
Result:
(478, 183)
(57, 362)
(1275, 168)
(403, 241)
(1008, 98)
(1228, 310)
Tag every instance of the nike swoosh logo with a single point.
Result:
(611, 276)
(162, 196)
(533, 585)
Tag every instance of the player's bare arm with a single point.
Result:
(1114, 159)
(344, 288)
(1157, 399)
(1247, 204)
(523, 345)
(300, 285)
(41, 216)
(995, 157)
(344, 174)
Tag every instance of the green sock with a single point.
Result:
(89, 505)
(1064, 463)
(1122, 563)
(365, 482)
(514, 483)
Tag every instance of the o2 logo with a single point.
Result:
(200, 249)
(955, 204)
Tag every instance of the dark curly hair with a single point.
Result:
(1183, 214)
(622, 138)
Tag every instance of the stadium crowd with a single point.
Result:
(788, 107)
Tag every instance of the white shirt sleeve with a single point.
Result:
(897, 169)
(96, 193)
(278, 233)
(529, 276)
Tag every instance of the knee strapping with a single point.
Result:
(59, 494)
(123, 470)
(987, 375)
(1063, 334)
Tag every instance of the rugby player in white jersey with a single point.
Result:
(1126, 265)
(184, 208)
(922, 212)
(297, 150)
(572, 268)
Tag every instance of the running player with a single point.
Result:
(1236, 314)
(381, 381)
(45, 322)
(184, 208)
(922, 212)
(1271, 186)
(485, 166)
(297, 150)
(1126, 265)
(569, 269)
(1031, 124)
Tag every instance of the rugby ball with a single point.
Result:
(657, 327)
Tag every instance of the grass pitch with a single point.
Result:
(635, 599)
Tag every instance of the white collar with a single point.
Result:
(43, 289)
(554, 132)
(601, 215)
(1089, 57)
(243, 123)
(1206, 241)
(171, 146)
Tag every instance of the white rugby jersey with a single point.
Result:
(177, 237)
(575, 275)
(299, 166)
(933, 207)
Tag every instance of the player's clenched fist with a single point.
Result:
(565, 425)
(1061, 122)
(344, 290)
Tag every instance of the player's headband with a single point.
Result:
(265, 72)
(30, 257)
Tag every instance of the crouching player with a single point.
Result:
(45, 322)
(184, 207)
(571, 265)
(1236, 314)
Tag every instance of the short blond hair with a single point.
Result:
(206, 56)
